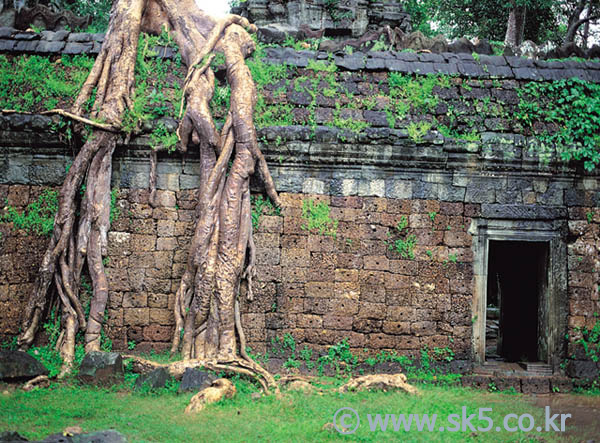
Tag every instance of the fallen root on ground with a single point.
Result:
(382, 382)
(218, 390)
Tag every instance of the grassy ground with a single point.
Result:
(296, 417)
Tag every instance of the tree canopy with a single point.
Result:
(545, 20)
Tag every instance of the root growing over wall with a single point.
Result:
(221, 254)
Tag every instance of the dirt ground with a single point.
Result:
(584, 424)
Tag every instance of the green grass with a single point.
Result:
(295, 417)
(36, 82)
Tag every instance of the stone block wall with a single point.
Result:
(318, 288)
(20, 257)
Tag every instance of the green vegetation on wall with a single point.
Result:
(157, 92)
(570, 109)
(590, 340)
(562, 116)
(262, 206)
(317, 218)
(36, 83)
(401, 241)
(38, 217)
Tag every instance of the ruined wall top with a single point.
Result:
(338, 18)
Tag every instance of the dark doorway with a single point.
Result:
(517, 282)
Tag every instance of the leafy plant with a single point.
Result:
(292, 363)
(317, 217)
(416, 131)
(416, 93)
(257, 357)
(445, 353)
(289, 343)
(355, 126)
(38, 217)
(405, 245)
(115, 211)
(262, 206)
(48, 354)
(570, 112)
(162, 137)
(306, 355)
(590, 340)
(338, 357)
(10, 345)
(30, 83)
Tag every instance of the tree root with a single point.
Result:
(384, 382)
(208, 328)
(176, 369)
(39, 381)
(73, 243)
(218, 390)
(87, 121)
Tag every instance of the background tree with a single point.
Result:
(536, 20)
(582, 12)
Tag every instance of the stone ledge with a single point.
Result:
(13, 41)
(294, 146)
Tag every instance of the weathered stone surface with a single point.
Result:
(101, 368)
(11, 436)
(50, 46)
(155, 379)
(321, 289)
(19, 365)
(522, 212)
(535, 385)
(276, 32)
(72, 48)
(109, 436)
(6, 31)
(195, 380)
(583, 369)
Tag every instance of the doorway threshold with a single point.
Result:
(505, 369)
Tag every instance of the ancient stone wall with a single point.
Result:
(320, 288)
(342, 18)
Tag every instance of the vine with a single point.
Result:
(570, 112)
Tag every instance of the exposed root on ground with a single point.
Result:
(380, 382)
(218, 390)
(239, 366)
(37, 382)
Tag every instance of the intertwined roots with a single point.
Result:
(221, 255)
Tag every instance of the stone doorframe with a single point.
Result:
(554, 302)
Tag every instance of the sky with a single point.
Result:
(215, 8)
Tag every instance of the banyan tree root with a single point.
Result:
(221, 254)
(238, 367)
(218, 390)
(381, 382)
(37, 382)
(81, 224)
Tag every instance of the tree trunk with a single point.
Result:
(515, 27)
(221, 251)
(575, 22)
